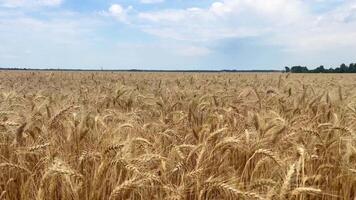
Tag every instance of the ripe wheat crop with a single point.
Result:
(93, 136)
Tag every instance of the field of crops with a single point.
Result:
(91, 136)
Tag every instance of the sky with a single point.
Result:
(177, 34)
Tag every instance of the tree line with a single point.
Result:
(342, 69)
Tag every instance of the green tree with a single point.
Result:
(352, 68)
(320, 69)
(344, 68)
(299, 69)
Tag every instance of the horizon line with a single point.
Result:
(135, 70)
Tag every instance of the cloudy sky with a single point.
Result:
(176, 34)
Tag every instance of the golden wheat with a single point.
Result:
(91, 136)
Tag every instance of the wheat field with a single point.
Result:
(91, 136)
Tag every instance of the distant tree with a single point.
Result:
(320, 69)
(344, 68)
(299, 69)
(352, 68)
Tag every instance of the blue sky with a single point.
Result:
(176, 34)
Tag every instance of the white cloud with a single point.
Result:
(151, 1)
(290, 24)
(220, 8)
(30, 3)
(50, 2)
(57, 39)
(230, 18)
(119, 12)
(116, 10)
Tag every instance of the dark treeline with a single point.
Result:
(342, 69)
